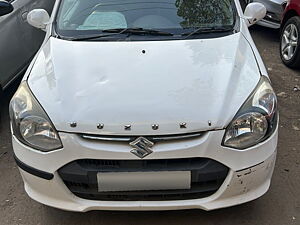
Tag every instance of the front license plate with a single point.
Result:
(142, 181)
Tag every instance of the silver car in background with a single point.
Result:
(275, 9)
(18, 40)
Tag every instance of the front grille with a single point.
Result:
(171, 137)
(80, 177)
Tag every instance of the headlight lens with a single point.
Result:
(30, 123)
(256, 120)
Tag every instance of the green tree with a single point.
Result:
(197, 13)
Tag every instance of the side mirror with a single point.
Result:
(5, 8)
(254, 12)
(38, 18)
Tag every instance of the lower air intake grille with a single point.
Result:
(81, 178)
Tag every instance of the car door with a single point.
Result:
(18, 40)
(12, 56)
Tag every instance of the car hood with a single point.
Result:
(144, 83)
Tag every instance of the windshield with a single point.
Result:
(77, 18)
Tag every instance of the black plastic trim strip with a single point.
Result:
(33, 171)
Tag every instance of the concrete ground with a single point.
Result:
(280, 206)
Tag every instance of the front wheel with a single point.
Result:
(290, 43)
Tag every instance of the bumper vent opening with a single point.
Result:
(80, 177)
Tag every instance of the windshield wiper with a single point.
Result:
(118, 31)
(137, 31)
(89, 37)
(202, 30)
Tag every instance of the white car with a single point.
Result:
(145, 105)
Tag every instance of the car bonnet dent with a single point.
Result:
(114, 83)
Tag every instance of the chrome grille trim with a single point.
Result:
(173, 137)
(104, 138)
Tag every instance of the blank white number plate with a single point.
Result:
(139, 181)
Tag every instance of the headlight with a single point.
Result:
(30, 123)
(256, 120)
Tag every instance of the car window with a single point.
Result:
(82, 16)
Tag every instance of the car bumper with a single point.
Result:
(249, 175)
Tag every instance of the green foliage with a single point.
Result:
(198, 13)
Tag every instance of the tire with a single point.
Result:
(289, 53)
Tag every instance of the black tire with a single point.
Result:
(294, 62)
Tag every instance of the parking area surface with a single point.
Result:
(280, 206)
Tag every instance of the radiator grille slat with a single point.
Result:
(117, 138)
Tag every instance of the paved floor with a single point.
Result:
(280, 206)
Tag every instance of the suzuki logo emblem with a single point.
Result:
(141, 147)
